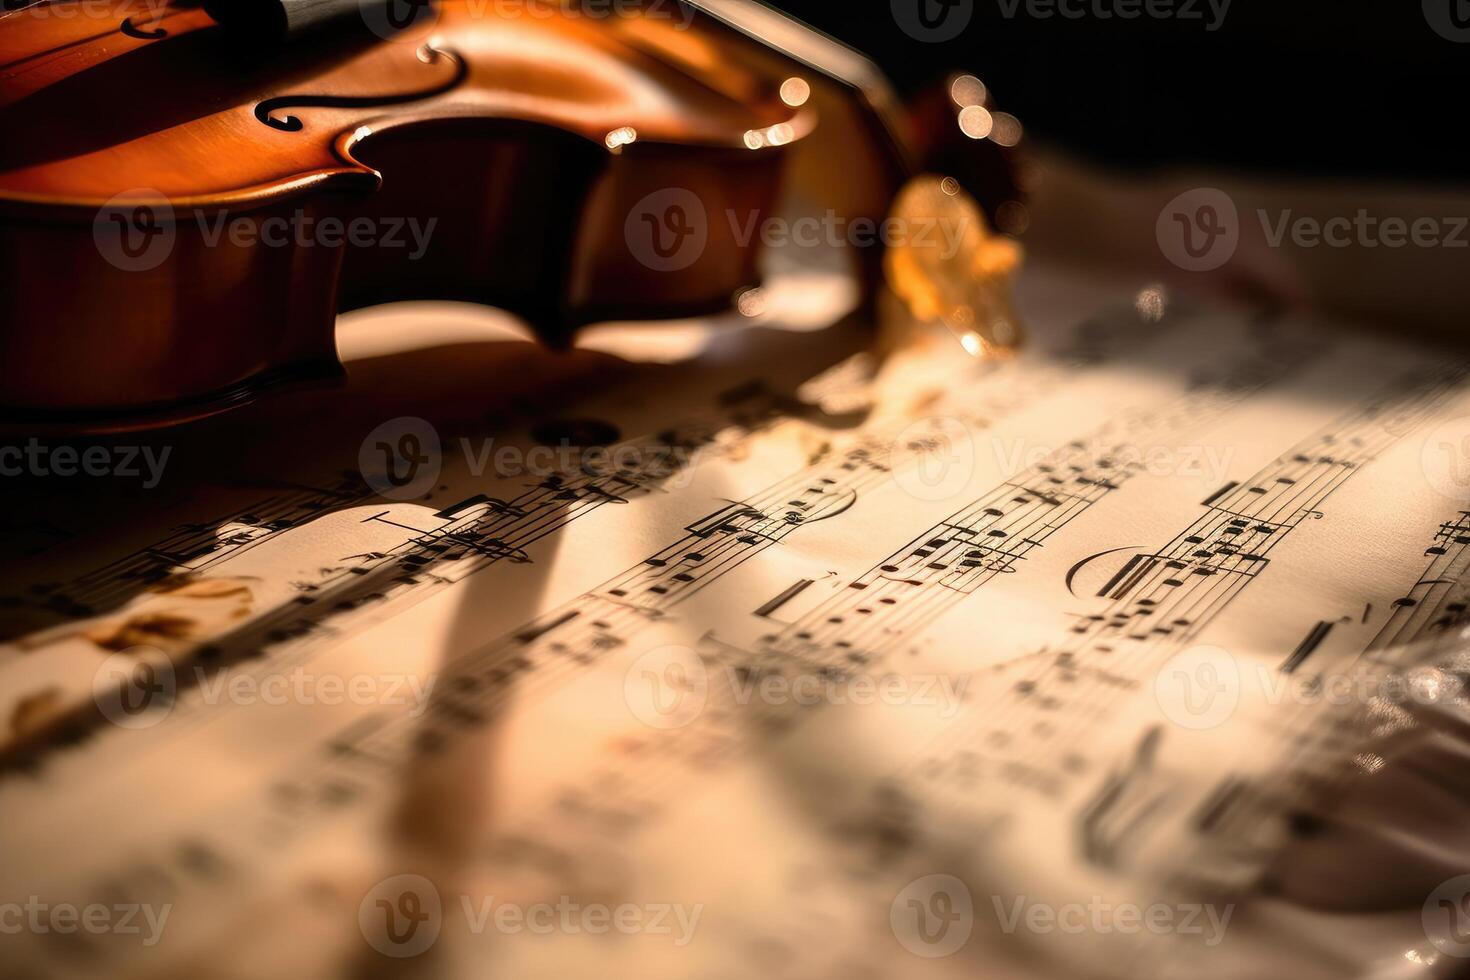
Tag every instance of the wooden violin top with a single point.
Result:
(111, 104)
(565, 166)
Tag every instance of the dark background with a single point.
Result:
(1354, 88)
(1311, 87)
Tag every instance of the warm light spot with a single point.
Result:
(795, 91)
(777, 135)
(967, 90)
(620, 137)
(976, 122)
(751, 303)
(1005, 129)
(949, 186)
(1151, 302)
(1013, 218)
(973, 344)
(1369, 762)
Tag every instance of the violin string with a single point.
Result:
(63, 49)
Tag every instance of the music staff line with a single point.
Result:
(1075, 477)
(472, 538)
(179, 860)
(1076, 688)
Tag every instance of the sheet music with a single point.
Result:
(822, 666)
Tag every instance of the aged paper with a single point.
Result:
(807, 666)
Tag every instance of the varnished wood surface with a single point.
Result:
(94, 112)
(490, 120)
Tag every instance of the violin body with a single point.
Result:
(183, 213)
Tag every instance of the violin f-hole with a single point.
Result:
(266, 111)
(142, 33)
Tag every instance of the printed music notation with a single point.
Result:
(538, 655)
(1437, 602)
(480, 529)
(867, 616)
(453, 543)
(1158, 602)
(190, 549)
(553, 680)
(1320, 746)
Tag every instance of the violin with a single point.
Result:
(191, 192)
